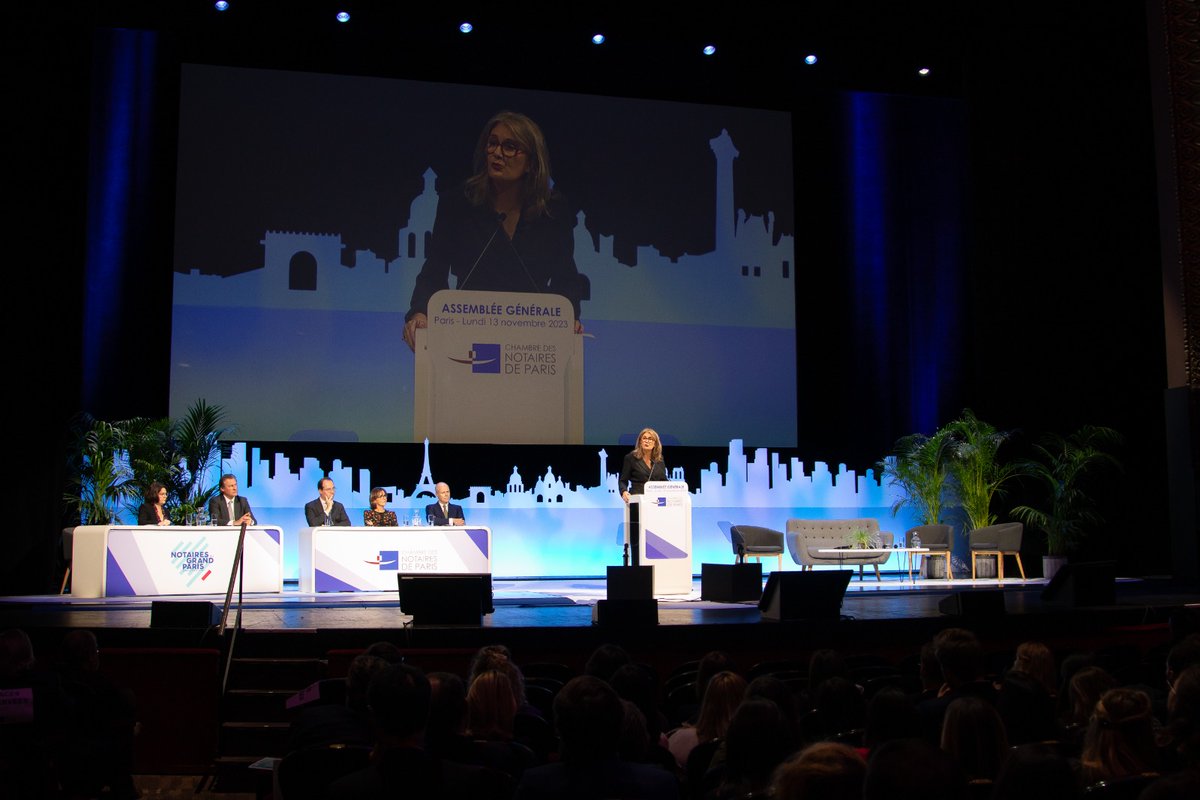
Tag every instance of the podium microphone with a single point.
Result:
(499, 221)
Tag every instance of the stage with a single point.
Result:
(874, 614)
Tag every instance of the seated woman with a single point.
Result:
(152, 511)
(376, 515)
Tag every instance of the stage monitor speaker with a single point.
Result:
(445, 598)
(976, 603)
(626, 613)
(730, 583)
(804, 595)
(1092, 583)
(183, 614)
(630, 583)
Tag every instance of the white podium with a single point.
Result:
(498, 367)
(665, 543)
(132, 561)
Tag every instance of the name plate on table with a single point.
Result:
(368, 559)
(189, 560)
(499, 367)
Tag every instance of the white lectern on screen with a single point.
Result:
(504, 367)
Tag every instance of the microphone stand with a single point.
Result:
(236, 574)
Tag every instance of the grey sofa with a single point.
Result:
(805, 537)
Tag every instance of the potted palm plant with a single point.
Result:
(919, 468)
(1062, 467)
(979, 475)
(98, 471)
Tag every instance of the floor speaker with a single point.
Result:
(630, 583)
(445, 599)
(183, 614)
(804, 595)
(730, 583)
(626, 613)
(977, 603)
(1092, 583)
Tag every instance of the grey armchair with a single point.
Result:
(999, 541)
(937, 539)
(755, 542)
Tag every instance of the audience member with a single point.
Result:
(912, 769)
(588, 715)
(974, 736)
(822, 771)
(1036, 772)
(721, 698)
(1120, 737)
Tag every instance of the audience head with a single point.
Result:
(634, 741)
(1035, 772)
(398, 698)
(1183, 708)
(16, 653)
(606, 660)
(713, 662)
(1120, 736)
(491, 707)
(891, 714)
(757, 741)
(1036, 661)
(1184, 654)
(1026, 709)
(80, 651)
(931, 672)
(1083, 692)
(841, 706)
(498, 657)
(771, 688)
(823, 665)
(637, 684)
(823, 771)
(912, 769)
(447, 706)
(974, 736)
(363, 670)
(588, 715)
(387, 651)
(722, 697)
(959, 655)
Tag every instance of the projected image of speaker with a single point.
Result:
(804, 595)
(446, 599)
(1092, 583)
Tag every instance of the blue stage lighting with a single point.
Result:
(710, 49)
(810, 59)
(343, 16)
(221, 5)
(598, 38)
(466, 27)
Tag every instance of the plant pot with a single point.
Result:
(1051, 565)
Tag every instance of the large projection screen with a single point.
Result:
(305, 203)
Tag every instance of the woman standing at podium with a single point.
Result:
(506, 230)
(643, 463)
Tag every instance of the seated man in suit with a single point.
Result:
(443, 511)
(228, 508)
(325, 510)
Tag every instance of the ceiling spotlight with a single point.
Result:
(466, 27)
(709, 49)
(343, 16)
(598, 38)
(810, 59)
(221, 5)
(923, 71)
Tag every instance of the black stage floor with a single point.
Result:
(553, 619)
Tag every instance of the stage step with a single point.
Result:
(256, 705)
(232, 774)
(275, 673)
(256, 739)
